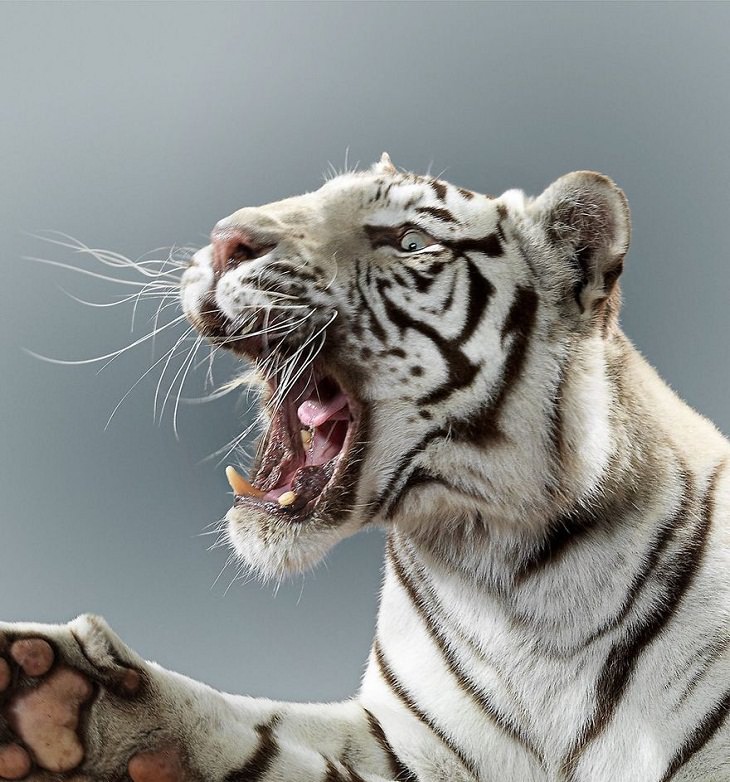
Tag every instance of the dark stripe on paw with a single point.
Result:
(398, 769)
(263, 758)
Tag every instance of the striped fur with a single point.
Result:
(557, 574)
(556, 589)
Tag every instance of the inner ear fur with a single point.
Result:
(585, 218)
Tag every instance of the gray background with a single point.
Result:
(136, 126)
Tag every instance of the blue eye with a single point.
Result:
(412, 241)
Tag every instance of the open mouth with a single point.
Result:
(305, 450)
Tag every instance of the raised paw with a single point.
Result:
(73, 703)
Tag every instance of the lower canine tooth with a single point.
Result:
(287, 498)
(240, 485)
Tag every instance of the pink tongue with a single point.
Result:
(315, 413)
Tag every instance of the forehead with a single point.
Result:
(371, 188)
(381, 198)
(390, 194)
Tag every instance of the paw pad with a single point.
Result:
(161, 766)
(14, 762)
(130, 681)
(33, 655)
(47, 717)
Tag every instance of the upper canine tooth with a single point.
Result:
(306, 436)
(240, 485)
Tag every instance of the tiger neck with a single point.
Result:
(590, 449)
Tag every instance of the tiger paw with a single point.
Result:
(77, 705)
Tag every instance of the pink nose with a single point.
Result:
(232, 246)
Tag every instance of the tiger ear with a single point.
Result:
(384, 165)
(585, 217)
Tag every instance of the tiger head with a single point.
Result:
(412, 339)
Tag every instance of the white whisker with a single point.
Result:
(189, 362)
(125, 300)
(135, 384)
(79, 270)
(164, 371)
(113, 354)
(114, 259)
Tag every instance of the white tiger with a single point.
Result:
(557, 588)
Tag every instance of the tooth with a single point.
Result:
(287, 498)
(306, 437)
(240, 485)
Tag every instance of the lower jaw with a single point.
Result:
(274, 549)
(274, 543)
(326, 504)
(272, 510)
(297, 513)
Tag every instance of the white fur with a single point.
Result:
(601, 658)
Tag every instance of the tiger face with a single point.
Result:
(410, 337)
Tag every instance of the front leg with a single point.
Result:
(77, 705)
